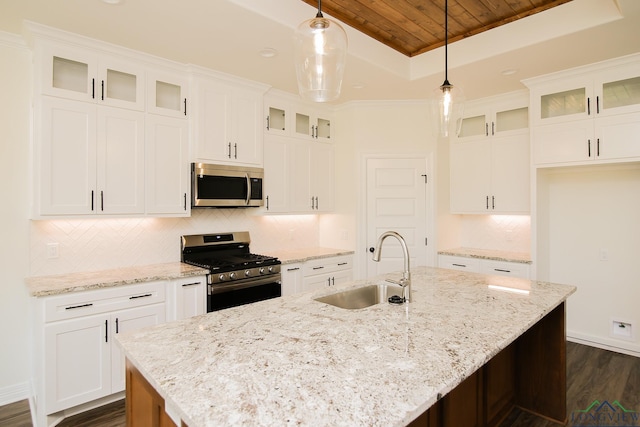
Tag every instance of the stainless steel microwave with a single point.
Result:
(225, 186)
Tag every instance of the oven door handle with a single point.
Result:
(220, 288)
(246, 175)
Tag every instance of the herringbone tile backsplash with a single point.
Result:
(498, 232)
(97, 244)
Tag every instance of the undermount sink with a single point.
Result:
(363, 297)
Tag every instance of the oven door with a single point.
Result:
(246, 291)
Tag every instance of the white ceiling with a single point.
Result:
(227, 35)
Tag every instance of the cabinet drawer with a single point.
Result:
(459, 263)
(86, 303)
(328, 265)
(503, 268)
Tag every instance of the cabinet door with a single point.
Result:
(276, 172)
(213, 139)
(321, 168)
(564, 142)
(341, 277)
(67, 157)
(276, 117)
(617, 137)
(510, 174)
(291, 279)
(618, 90)
(126, 321)
(167, 94)
(300, 177)
(120, 161)
(563, 100)
(167, 166)
(190, 297)
(77, 365)
(312, 283)
(470, 176)
(120, 83)
(68, 73)
(459, 263)
(246, 134)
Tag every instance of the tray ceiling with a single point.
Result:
(413, 27)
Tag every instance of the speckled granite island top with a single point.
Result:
(40, 286)
(508, 256)
(296, 361)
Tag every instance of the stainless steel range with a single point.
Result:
(236, 276)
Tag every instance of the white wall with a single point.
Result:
(588, 214)
(15, 87)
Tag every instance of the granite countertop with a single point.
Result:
(307, 254)
(40, 286)
(520, 257)
(296, 361)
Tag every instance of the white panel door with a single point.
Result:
(396, 201)
(125, 321)
(77, 369)
(167, 166)
(120, 166)
(276, 173)
(68, 157)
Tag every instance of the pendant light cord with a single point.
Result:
(446, 40)
(319, 14)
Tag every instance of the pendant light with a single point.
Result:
(449, 99)
(320, 55)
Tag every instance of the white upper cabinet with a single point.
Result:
(81, 74)
(167, 94)
(229, 123)
(490, 162)
(91, 159)
(589, 114)
(287, 116)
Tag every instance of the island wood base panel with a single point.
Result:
(530, 374)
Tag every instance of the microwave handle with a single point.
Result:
(246, 175)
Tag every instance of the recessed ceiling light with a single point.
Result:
(358, 85)
(112, 1)
(268, 52)
(509, 71)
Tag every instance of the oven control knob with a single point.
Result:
(232, 275)
(247, 273)
(222, 277)
(262, 270)
(270, 269)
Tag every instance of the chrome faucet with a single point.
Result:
(405, 282)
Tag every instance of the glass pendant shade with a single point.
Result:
(447, 107)
(320, 55)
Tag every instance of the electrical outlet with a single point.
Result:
(52, 250)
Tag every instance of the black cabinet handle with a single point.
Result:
(185, 106)
(493, 128)
(504, 271)
(493, 202)
(598, 104)
(589, 147)
(140, 296)
(102, 200)
(78, 306)
(102, 95)
(267, 202)
(235, 151)
(588, 106)
(184, 285)
(343, 263)
(486, 129)
(93, 88)
(106, 330)
(293, 269)
(185, 201)
(487, 202)
(229, 150)
(598, 147)
(318, 268)
(268, 125)
(459, 265)
(117, 326)
(92, 207)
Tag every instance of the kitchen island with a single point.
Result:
(468, 346)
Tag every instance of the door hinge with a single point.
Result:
(425, 177)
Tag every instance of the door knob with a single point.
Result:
(372, 249)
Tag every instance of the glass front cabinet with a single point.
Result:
(587, 114)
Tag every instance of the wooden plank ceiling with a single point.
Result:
(413, 27)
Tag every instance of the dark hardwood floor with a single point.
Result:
(592, 374)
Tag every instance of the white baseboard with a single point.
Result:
(631, 349)
(14, 393)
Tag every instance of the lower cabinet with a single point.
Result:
(81, 360)
(484, 266)
(291, 278)
(326, 272)
(144, 406)
(188, 297)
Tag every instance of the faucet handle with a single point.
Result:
(401, 282)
